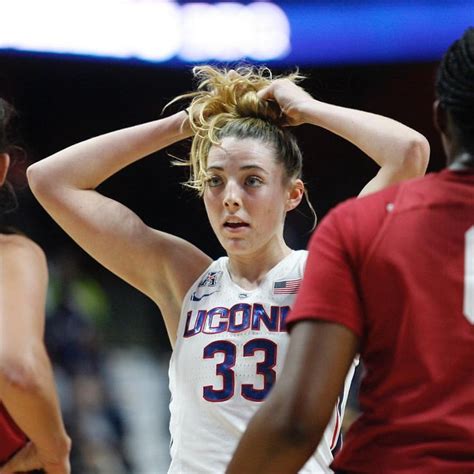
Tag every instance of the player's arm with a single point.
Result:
(65, 184)
(27, 386)
(288, 427)
(400, 151)
(323, 343)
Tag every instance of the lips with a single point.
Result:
(235, 224)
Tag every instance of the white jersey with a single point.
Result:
(229, 351)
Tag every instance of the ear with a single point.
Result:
(440, 118)
(4, 164)
(295, 194)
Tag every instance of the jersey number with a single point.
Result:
(225, 369)
(469, 276)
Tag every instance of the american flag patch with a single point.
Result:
(286, 287)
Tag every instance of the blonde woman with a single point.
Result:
(225, 318)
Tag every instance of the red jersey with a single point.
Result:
(11, 437)
(397, 269)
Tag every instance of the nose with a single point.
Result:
(232, 199)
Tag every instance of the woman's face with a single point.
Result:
(245, 198)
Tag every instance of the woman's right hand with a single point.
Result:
(290, 97)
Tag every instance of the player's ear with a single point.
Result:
(4, 164)
(295, 194)
(439, 117)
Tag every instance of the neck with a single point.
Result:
(458, 147)
(249, 270)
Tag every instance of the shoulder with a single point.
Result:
(218, 265)
(352, 225)
(365, 212)
(19, 243)
(211, 276)
(21, 253)
(298, 256)
(401, 197)
(375, 202)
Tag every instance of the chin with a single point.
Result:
(236, 247)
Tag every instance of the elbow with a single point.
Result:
(37, 178)
(19, 374)
(416, 157)
(44, 185)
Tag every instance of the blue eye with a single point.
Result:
(214, 181)
(253, 181)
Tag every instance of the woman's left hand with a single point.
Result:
(29, 458)
(24, 460)
(290, 97)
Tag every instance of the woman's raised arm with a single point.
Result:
(400, 151)
(150, 260)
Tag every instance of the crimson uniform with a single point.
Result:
(397, 269)
(11, 437)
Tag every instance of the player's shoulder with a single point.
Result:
(357, 221)
(294, 263)
(21, 249)
(367, 208)
(298, 256)
(375, 204)
(211, 277)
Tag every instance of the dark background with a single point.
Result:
(64, 100)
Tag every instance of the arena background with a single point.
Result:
(107, 340)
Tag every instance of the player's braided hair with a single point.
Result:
(226, 104)
(455, 84)
(8, 201)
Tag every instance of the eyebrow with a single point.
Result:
(242, 168)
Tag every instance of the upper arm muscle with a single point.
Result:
(160, 265)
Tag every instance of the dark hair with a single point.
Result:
(8, 201)
(455, 84)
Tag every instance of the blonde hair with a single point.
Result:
(226, 104)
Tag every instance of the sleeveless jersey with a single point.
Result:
(229, 351)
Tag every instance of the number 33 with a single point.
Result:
(225, 369)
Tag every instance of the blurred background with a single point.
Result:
(78, 68)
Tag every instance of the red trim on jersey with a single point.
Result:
(335, 435)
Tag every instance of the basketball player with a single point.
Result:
(225, 319)
(32, 434)
(390, 276)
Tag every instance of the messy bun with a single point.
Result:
(226, 104)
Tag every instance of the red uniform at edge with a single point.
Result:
(11, 437)
(391, 267)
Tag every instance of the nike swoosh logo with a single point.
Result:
(196, 298)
